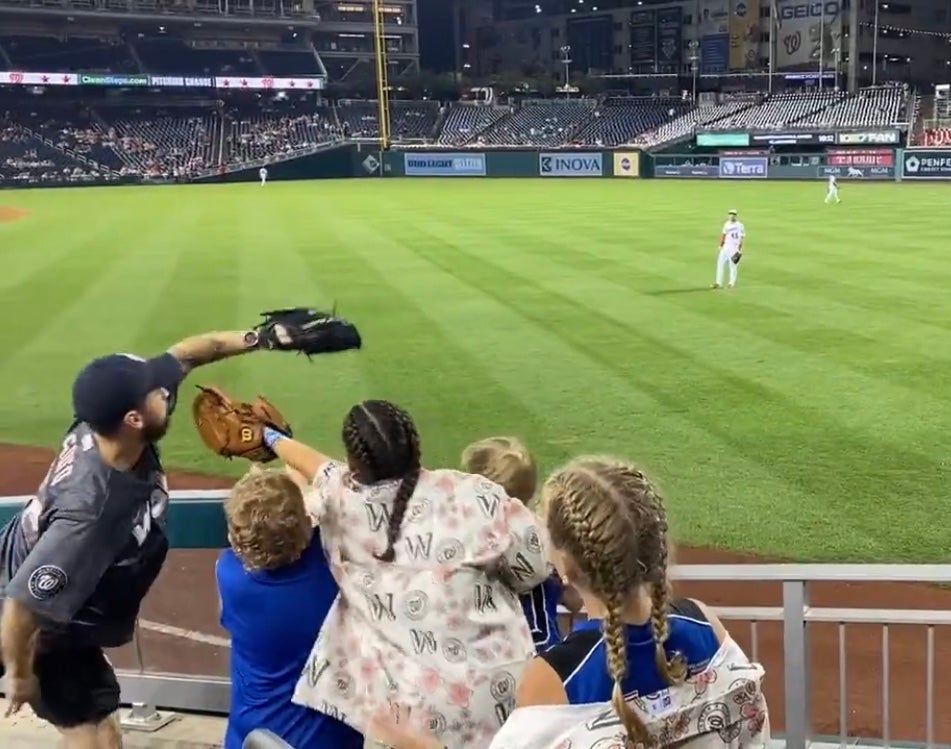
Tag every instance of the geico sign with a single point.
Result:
(829, 9)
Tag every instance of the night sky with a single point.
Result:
(435, 35)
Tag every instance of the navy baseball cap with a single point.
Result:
(107, 388)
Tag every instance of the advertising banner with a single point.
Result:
(570, 165)
(444, 164)
(685, 170)
(860, 157)
(19, 78)
(670, 41)
(626, 164)
(178, 81)
(857, 172)
(108, 79)
(926, 163)
(791, 139)
(806, 30)
(714, 33)
(732, 140)
(270, 83)
(643, 37)
(743, 167)
(744, 35)
(870, 138)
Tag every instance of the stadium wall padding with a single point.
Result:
(511, 162)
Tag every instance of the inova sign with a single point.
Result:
(570, 165)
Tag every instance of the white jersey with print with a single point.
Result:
(440, 629)
(733, 234)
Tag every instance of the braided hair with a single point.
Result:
(610, 521)
(382, 441)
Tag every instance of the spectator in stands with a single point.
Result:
(507, 462)
(429, 563)
(276, 589)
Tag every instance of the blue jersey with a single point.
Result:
(581, 661)
(274, 618)
(541, 610)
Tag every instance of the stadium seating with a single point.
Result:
(465, 122)
(26, 159)
(174, 57)
(880, 106)
(777, 111)
(409, 120)
(619, 120)
(540, 123)
(160, 144)
(685, 125)
(249, 137)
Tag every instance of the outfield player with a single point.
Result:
(731, 243)
(262, 173)
(833, 193)
(79, 558)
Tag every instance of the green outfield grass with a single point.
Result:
(805, 414)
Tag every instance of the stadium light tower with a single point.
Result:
(566, 61)
(693, 56)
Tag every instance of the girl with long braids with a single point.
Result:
(642, 654)
(429, 564)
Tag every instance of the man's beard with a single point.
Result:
(155, 432)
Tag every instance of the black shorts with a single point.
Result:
(77, 687)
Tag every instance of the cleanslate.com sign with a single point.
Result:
(444, 164)
(570, 165)
(925, 164)
(743, 167)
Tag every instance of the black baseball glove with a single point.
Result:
(306, 330)
(737, 256)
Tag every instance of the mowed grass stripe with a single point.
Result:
(757, 440)
(790, 317)
(409, 356)
(634, 429)
(760, 361)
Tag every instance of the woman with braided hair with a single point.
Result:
(429, 564)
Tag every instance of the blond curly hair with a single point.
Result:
(507, 462)
(268, 526)
(608, 518)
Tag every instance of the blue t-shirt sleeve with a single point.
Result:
(225, 578)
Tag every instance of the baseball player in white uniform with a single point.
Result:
(731, 245)
(833, 193)
(262, 173)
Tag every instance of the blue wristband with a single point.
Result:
(272, 436)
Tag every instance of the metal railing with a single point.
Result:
(211, 694)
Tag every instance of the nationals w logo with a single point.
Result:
(792, 43)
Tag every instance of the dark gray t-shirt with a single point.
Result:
(85, 550)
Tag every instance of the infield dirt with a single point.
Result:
(185, 600)
(9, 214)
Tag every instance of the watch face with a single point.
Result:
(251, 338)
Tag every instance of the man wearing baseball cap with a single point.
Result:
(77, 561)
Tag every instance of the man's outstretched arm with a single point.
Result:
(207, 348)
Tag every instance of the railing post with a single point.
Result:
(798, 694)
